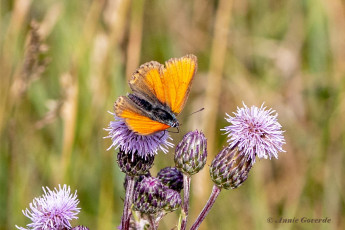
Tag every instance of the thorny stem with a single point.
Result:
(215, 192)
(128, 203)
(186, 191)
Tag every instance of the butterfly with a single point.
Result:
(159, 94)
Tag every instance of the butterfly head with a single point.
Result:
(175, 124)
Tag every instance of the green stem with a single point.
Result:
(186, 192)
(215, 192)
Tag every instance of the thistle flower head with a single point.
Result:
(172, 200)
(134, 165)
(128, 141)
(256, 132)
(171, 177)
(53, 210)
(149, 196)
(191, 153)
(229, 169)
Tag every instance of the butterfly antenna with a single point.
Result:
(194, 113)
(178, 130)
(197, 111)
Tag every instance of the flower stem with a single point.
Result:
(128, 203)
(215, 192)
(186, 191)
(152, 222)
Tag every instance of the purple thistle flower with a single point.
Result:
(256, 132)
(129, 141)
(53, 210)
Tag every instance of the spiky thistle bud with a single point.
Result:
(172, 200)
(171, 177)
(230, 168)
(149, 196)
(133, 164)
(191, 153)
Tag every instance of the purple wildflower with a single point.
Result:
(256, 132)
(129, 141)
(53, 210)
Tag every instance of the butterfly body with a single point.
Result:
(155, 110)
(159, 95)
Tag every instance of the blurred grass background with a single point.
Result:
(64, 63)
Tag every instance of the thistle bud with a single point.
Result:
(230, 168)
(191, 153)
(134, 165)
(149, 196)
(172, 178)
(172, 200)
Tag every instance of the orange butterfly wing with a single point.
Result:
(147, 81)
(135, 119)
(170, 85)
(177, 77)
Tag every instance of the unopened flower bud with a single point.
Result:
(149, 196)
(172, 178)
(172, 199)
(230, 168)
(134, 165)
(191, 153)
